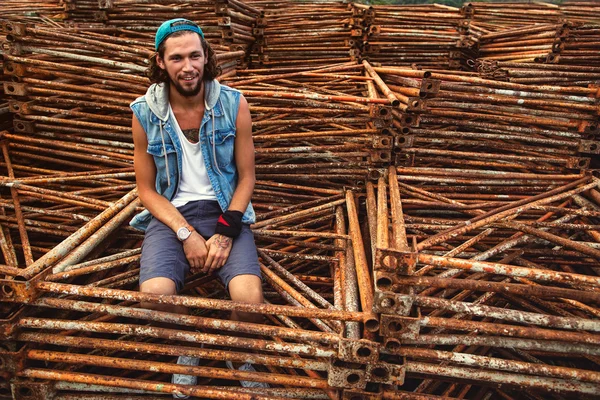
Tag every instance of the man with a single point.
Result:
(194, 167)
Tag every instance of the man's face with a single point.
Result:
(184, 62)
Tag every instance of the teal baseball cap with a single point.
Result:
(174, 25)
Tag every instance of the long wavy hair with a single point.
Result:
(159, 75)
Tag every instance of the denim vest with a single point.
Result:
(217, 137)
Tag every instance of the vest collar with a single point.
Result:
(157, 98)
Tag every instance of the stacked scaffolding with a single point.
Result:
(422, 232)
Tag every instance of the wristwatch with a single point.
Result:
(184, 232)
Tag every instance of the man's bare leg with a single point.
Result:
(161, 285)
(246, 289)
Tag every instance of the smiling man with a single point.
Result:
(194, 167)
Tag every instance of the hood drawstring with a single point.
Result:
(162, 136)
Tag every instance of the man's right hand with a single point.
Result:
(195, 251)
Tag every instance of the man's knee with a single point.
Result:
(160, 286)
(246, 288)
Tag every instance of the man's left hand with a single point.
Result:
(219, 247)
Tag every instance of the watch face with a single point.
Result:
(183, 233)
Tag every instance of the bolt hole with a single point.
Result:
(385, 142)
(8, 291)
(384, 283)
(10, 88)
(363, 352)
(582, 163)
(395, 326)
(593, 147)
(380, 372)
(383, 111)
(415, 103)
(384, 156)
(429, 86)
(387, 302)
(9, 28)
(25, 391)
(16, 107)
(408, 120)
(9, 68)
(392, 345)
(20, 126)
(372, 325)
(352, 379)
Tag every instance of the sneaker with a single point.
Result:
(181, 379)
(248, 384)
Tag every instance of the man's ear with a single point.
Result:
(160, 62)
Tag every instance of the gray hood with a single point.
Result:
(157, 97)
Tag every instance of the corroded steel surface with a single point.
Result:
(427, 199)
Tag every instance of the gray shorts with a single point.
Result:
(163, 256)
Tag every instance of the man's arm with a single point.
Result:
(161, 208)
(219, 246)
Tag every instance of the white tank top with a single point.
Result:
(194, 183)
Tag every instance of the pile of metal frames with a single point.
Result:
(456, 122)
(228, 25)
(499, 16)
(287, 38)
(580, 11)
(322, 126)
(422, 233)
(32, 10)
(424, 35)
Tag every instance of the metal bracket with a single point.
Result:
(589, 147)
(16, 291)
(404, 159)
(14, 28)
(416, 104)
(14, 69)
(382, 142)
(380, 156)
(19, 107)
(392, 303)
(358, 351)
(105, 4)
(399, 327)
(379, 111)
(15, 89)
(404, 141)
(23, 126)
(429, 87)
(341, 377)
(224, 21)
(578, 163)
(410, 120)
(401, 262)
(386, 373)
(30, 390)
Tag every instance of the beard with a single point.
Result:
(186, 92)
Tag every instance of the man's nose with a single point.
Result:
(187, 64)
